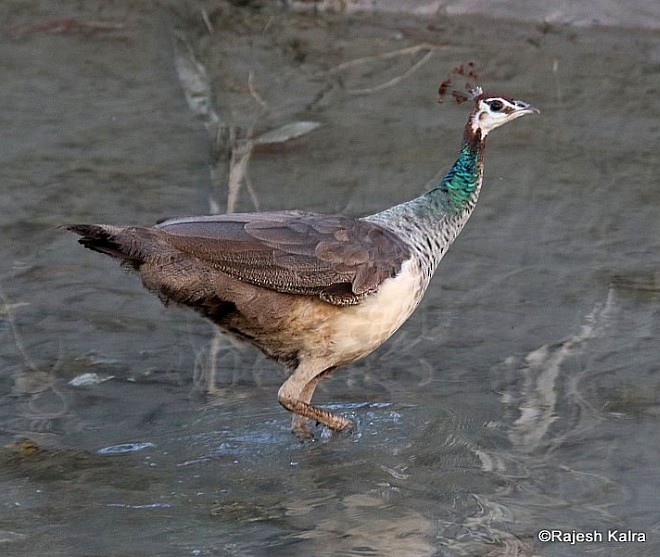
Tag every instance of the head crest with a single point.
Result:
(475, 92)
(466, 73)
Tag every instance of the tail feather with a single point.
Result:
(110, 240)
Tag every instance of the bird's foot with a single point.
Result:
(303, 427)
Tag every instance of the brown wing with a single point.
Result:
(338, 258)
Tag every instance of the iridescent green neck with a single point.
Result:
(461, 184)
(445, 209)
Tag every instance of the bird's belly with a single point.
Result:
(298, 328)
(360, 329)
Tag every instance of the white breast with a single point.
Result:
(360, 329)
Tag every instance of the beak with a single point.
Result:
(525, 108)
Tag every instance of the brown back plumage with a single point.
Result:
(340, 259)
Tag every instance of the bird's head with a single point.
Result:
(491, 110)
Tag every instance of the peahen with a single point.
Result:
(312, 291)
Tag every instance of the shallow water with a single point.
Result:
(523, 393)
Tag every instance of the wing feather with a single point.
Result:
(338, 258)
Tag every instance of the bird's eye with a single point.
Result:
(496, 106)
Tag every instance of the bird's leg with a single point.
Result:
(300, 425)
(295, 395)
